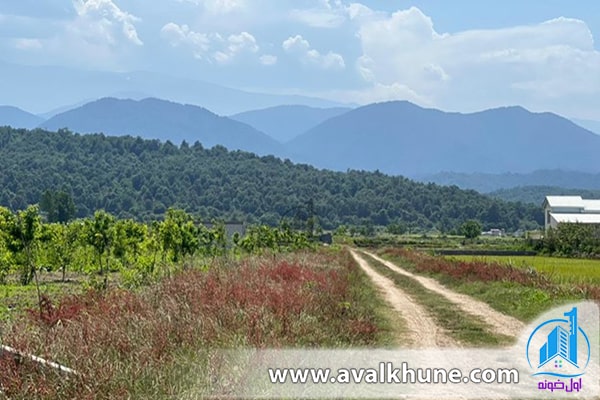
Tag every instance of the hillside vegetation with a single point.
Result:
(132, 177)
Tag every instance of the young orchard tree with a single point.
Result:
(129, 236)
(22, 233)
(62, 243)
(99, 233)
(178, 235)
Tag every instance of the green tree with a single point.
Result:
(471, 229)
(61, 244)
(23, 231)
(99, 233)
(178, 235)
(397, 228)
(58, 206)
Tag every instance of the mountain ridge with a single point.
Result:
(41, 89)
(486, 183)
(399, 137)
(18, 118)
(285, 122)
(153, 118)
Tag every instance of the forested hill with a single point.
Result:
(133, 177)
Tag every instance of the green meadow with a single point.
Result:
(560, 270)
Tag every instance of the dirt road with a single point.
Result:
(500, 323)
(422, 329)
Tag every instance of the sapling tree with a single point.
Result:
(22, 232)
(99, 233)
(178, 235)
(62, 243)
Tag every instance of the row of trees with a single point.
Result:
(140, 179)
(572, 239)
(103, 243)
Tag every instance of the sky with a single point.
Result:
(453, 55)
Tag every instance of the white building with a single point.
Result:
(574, 209)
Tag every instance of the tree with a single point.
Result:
(58, 206)
(397, 228)
(62, 242)
(99, 233)
(23, 230)
(471, 229)
(178, 235)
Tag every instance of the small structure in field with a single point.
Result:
(570, 209)
(493, 232)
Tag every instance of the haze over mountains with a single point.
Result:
(486, 183)
(18, 118)
(40, 89)
(164, 120)
(402, 138)
(397, 138)
(284, 123)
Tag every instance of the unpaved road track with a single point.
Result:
(500, 323)
(422, 329)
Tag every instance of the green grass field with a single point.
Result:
(560, 270)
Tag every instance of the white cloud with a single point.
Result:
(178, 35)
(237, 44)
(28, 44)
(218, 6)
(318, 18)
(94, 33)
(268, 59)
(103, 20)
(541, 66)
(210, 46)
(300, 47)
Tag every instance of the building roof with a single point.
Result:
(592, 205)
(564, 201)
(576, 218)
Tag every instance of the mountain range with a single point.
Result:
(537, 194)
(402, 138)
(164, 120)
(18, 118)
(39, 88)
(397, 138)
(486, 183)
(284, 123)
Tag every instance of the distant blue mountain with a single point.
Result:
(44, 88)
(402, 138)
(18, 118)
(283, 123)
(537, 194)
(159, 119)
(593, 126)
(566, 181)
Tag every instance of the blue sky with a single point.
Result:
(455, 55)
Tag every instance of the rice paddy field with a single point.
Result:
(559, 270)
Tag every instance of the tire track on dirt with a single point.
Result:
(501, 323)
(422, 329)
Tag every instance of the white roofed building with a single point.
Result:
(572, 209)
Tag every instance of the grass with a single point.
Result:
(559, 270)
(137, 344)
(519, 292)
(15, 298)
(463, 327)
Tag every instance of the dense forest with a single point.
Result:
(136, 178)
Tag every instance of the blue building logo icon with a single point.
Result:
(565, 351)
